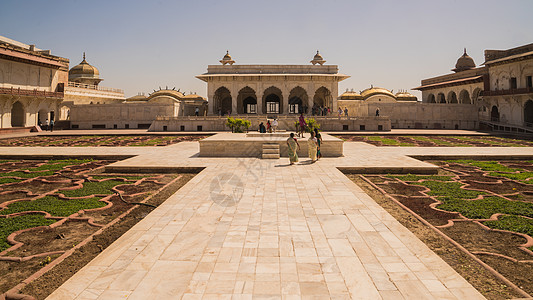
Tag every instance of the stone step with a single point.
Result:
(271, 151)
(270, 146)
(270, 156)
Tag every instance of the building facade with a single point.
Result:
(32, 83)
(271, 89)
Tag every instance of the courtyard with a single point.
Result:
(248, 227)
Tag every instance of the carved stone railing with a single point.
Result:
(24, 92)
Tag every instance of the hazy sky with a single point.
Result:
(141, 45)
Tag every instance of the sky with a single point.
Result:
(140, 46)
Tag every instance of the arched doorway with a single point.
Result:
(247, 101)
(42, 116)
(298, 101)
(222, 101)
(464, 97)
(452, 97)
(441, 98)
(295, 105)
(17, 115)
(322, 98)
(495, 114)
(431, 98)
(528, 113)
(272, 100)
(475, 94)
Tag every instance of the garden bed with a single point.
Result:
(98, 140)
(484, 206)
(438, 140)
(51, 209)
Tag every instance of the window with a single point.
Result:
(529, 81)
(272, 107)
(513, 82)
(251, 108)
(293, 108)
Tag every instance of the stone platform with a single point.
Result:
(251, 145)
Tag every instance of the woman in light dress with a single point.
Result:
(293, 145)
(312, 146)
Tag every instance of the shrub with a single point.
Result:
(238, 125)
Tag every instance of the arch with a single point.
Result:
(464, 97)
(246, 101)
(272, 100)
(322, 98)
(222, 101)
(441, 98)
(298, 100)
(17, 115)
(431, 98)
(528, 113)
(42, 116)
(475, 95)
(452, 97)
(494, 114)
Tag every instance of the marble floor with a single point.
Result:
(247, 228)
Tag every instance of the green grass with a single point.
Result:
(448, 189)
(54, 206)
(493, 166)
(513, 223)
(27, 175)
(94, 188)
(9, 180)
(10, 225)
(522, 177)
(412, 177)
(484, 208)
(120, 176)
(55, 165)
(387, 141)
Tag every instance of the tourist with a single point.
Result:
(377, 112)
(312, 146)
(346, 111)
(318, 137)
(197, 111)
(339, 111)
(52, 125)
(329, 111)
(301, 120)
(275, 125)
(262, 128)
(293, 146)
(325, 111)
(269, 126)
(46, 125)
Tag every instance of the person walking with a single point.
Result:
(312, 147)
(377, 112)
(52, 125)
(46, 125)
(339, 111)
(269, 127)
(293, 146)
(303, 124)
(318, 137)
(275, 125)
(345, 111)
(197, 111)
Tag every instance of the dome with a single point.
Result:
(227, 59)
(84, 73)
(318, 59)
(464, 62)
(350, 95)
(376, 90)
(405, 96)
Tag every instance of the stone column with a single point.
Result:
(211, 98)
(285, 97)
(234, 93)
(334, 95)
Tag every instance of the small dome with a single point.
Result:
(227, 59)
(85, 69)
(464, 62)
(376, 90)
(350, 95)
(318, 59)
(405, 96)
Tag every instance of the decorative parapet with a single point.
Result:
(36, 93)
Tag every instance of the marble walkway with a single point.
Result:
(248, 228)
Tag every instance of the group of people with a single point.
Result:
(269, 126)
(313, 147)
(320, 111)
(47, 125)
(345, 111)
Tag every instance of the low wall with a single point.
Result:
(216, 123)
(239, 145)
